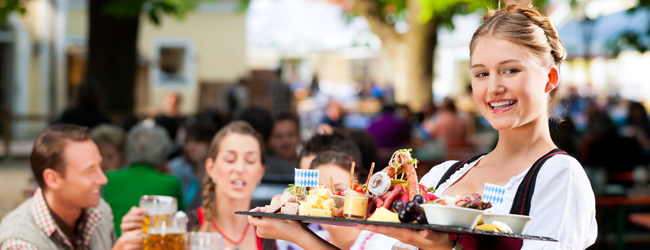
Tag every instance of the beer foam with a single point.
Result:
(166, 230)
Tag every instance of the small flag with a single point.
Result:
(306, 178)
(493, 193)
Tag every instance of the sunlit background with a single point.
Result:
(408, 52)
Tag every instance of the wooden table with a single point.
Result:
(642, 219)
(622, 203)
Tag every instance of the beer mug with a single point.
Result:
(164, 227)
(159, 208)
(205, 241)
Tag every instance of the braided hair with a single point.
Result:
(210, 187)
(524, 25)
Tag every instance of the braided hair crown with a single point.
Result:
(523, 25)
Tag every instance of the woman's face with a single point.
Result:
(111, 157)
(339, 175)
(238, 167)
(510, 84)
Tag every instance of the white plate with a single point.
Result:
(518, 223)
(451, 215)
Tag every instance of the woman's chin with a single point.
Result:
(502, 126)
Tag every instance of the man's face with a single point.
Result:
(196, 151)
(83, 178)
(285, 139)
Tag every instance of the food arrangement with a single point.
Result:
(390, 195)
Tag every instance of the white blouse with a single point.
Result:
(563, 204)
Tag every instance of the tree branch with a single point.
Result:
(378, 25)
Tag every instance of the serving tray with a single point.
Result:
(352, 223)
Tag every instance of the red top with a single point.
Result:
(202, 220)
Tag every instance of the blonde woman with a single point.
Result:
(515, 58)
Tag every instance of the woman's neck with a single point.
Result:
(529, 140)
(344, 237)
(231, 224)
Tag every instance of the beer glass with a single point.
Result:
(164, 227)
(159, 208)
(204, 241)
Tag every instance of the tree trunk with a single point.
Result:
(413, 64)
(112, 57)
(411, 54)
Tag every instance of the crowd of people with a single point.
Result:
(91, 173)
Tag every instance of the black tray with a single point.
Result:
(352, 223)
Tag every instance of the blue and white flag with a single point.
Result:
(306, 178)
(493, 193)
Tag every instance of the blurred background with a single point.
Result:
(362, 65)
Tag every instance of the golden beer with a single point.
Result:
(156, 220)
(168, 241)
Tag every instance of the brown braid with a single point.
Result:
(209, 204)
(210, 188)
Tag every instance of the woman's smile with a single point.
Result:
(501, 105)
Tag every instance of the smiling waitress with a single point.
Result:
(515, 57)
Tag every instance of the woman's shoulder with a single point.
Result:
(433, 176)
(563, 163)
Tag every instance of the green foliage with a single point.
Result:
(155, 8)
(9, 6)
(442, 11)
(629, 39)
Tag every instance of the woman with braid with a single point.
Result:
(234, 167)
(515, 58)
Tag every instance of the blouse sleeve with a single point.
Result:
(563, 206)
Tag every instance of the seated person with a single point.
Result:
(189, 166)
(147, 148)
(320, 143)
(447, 124)
(337, 165)
(282, 144)
(66, 211)
(388, 130)
(110, 140)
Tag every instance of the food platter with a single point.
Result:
(352, 223)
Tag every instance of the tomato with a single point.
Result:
(358, 188)
(339, 193)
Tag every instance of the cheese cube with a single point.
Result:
(304, 209)
(328, 204)
(315, 200)
(333, 210)
(324, 193)
(320, 212)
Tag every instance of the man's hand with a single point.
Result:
(132, 240)
(132, 221)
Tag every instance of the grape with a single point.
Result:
(405, 217)
(421, 218)
(419, 199)
(398, 205)
(412, 207)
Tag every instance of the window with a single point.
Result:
(172, 63)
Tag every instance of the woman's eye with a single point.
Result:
(230, 158)
(510, 71)
(251, 160)
(480, 75)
